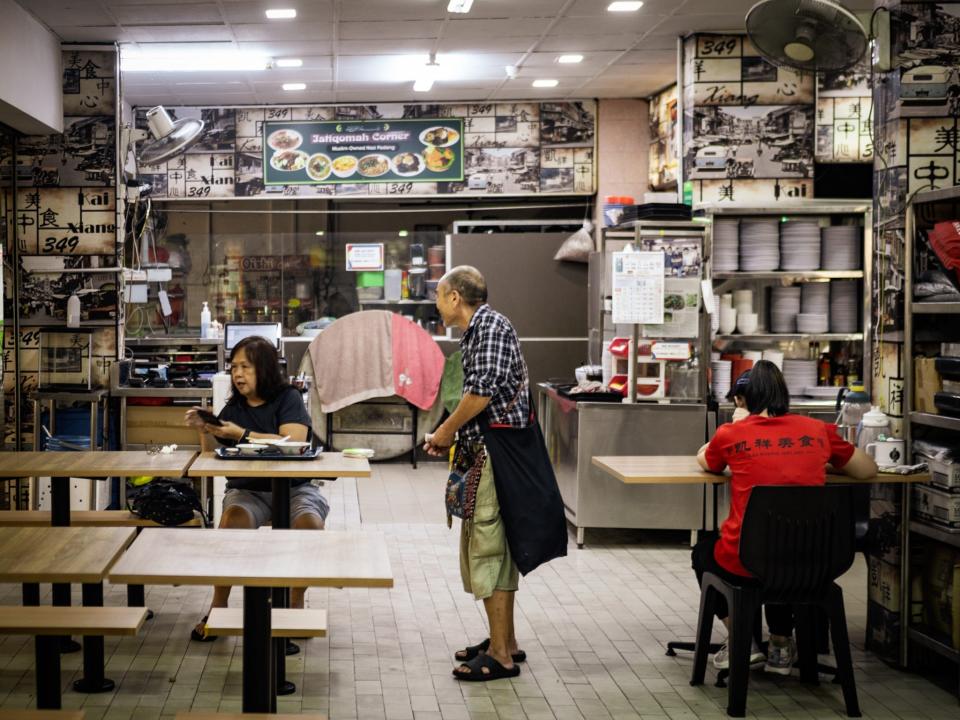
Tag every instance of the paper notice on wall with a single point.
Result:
(681, 310)
(638, 287)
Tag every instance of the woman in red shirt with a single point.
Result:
(768, 447)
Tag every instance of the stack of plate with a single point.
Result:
(774, 356)
(759, 245)
(784, 308)
(726, 245)
(812, 323)
(840, 247)
(721, 378)
(815, 298)
(715, 315)
(844, 306)
(799, 375)
(799, 246)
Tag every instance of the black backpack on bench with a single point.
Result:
(168, 503)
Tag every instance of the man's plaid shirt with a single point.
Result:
(493, 367)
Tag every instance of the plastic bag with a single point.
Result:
(168, 503)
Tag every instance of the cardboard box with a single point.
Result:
(936, 506)
(941, 591)
(943, 475)
(926, 384)
(883, 587)
(883, 632)
(162, 424)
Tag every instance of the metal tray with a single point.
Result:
(309, 455)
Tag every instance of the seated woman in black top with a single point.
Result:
(262, 405)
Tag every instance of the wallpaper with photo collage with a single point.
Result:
(664, 158)
(516, 148)
(65, 220)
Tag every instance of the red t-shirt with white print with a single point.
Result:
(785, 450)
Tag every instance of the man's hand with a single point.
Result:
(438, 442)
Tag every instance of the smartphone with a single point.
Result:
(208, 417)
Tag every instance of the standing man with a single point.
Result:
(495, 382)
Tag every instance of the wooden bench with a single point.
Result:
(83, 518)
(42, 714)
(47, 624)
(284, 622)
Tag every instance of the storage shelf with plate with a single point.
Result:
(923, 327)
(396, 302)
(758, 284)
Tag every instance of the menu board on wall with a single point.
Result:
(362, 151)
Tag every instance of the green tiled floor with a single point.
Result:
(593, 626)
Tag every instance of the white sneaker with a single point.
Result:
(780, 659)
(721, 659)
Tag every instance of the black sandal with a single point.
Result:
(496, 671)
(197, 636)
(471, 651)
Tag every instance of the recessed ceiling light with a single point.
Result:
(403, 233)
(320, 233)
(289, 62)
(570, 59)
(622, 6)
(546, 83)
(283, 13)
(294, 86)
(459, 6)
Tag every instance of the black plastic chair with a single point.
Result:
(796, 541)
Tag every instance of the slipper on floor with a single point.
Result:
(292, 648)
(471, 651)
(495, 671)
(197, 636)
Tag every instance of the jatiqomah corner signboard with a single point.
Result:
(362, 151)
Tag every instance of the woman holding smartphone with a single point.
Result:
(263, 405)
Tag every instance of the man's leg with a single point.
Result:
(304, 521)
(503, 640)
(234, 516)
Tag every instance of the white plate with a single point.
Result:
(408, 173)
(275, 138)
(452, 136)
(358, 453)
(381, 158)
(297, 159)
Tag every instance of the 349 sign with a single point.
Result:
(61, 245)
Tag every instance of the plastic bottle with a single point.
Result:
(205, 321)
(73, 311)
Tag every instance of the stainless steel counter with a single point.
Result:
(576, 431)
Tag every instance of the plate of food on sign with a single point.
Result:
(439, 136)
(284, 139)
(373, 165)
(408, 164)
(438, 159)
(289, 160)
(344, 166)
(318, 166)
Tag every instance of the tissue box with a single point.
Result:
(927, 383)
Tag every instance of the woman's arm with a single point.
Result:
(860, 466)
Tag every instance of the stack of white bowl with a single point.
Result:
(759, 245)
(814, 317)
(747, 320)
(799, 375)
(728, 314)
(840, 247)
(784, 308)
(726, 245)
(844, 306)
(715, 315)
(774, 356)
(799, 245)
(721, 378)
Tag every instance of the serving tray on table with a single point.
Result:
(314, 454)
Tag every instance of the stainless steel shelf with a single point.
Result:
(785, 274)
(935, 533)
(942, 195)
(938, 421)
(170, 392)
(172, 340)
(773, 337)
(936, 308)
(807, 207)
(397, 302)
(933, 643)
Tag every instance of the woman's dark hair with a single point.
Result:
(262, 354)
(767, 390)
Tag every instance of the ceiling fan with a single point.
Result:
(811, 35)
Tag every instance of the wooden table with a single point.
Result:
(34, 555)
(329, 465)
(61, 466)
(684, 469)
(258, 561)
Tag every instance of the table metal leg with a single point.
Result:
(47, 653)
(281, 596)
(413, 451)
(257, 650)
(60, 501)
(93, 680)
(61, 598)
(31, 594)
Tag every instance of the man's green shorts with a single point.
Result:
(485, 561)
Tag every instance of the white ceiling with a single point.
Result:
(369, 50)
